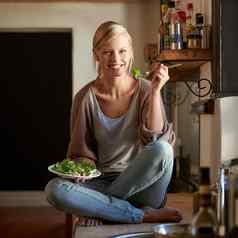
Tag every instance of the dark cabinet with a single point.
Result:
(225, 47)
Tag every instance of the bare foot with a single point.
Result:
(164, 214)
(88, 221)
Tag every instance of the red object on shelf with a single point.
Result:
(190, 6)
(182, 15)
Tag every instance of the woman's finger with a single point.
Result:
(77, 180)
(160, 72)
(160, 76)
(155, 66)
(165, 68)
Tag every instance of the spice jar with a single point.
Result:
(193, 41)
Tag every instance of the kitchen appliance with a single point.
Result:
(227, 212)
(227, 189)
(173, 230)
(136, 235)
(167, 230)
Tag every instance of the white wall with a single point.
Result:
(83, 19)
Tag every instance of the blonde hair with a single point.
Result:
(107, 31)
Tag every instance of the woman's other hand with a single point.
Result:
(159, 76)
(87, 160)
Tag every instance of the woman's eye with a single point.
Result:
(107, 52)
(123, 51)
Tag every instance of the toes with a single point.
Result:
(81, 221)
(99, 222)
(89, 221)
(178, 217)
(178, 214)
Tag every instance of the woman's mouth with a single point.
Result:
(115, 66)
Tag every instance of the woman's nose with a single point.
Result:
(115, 56)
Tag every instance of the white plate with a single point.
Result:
(94, 174)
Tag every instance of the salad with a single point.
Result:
(69, 167)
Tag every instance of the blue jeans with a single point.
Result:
(117, 197)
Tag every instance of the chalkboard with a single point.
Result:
(229, 47)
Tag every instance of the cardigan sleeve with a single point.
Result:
(82, 141)
(147, 135)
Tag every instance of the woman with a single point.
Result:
(118, 123)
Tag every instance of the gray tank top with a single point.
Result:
(117, 138)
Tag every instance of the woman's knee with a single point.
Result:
(52, 190)
(162, 150)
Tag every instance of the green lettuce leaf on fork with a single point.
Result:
(136, 72)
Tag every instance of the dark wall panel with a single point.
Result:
(36, 95)
(229, 47)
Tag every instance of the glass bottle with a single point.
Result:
(182, 19)
(162, 34)
(165, 29)
(223, 200)
(204, 223)
(175, 29)
(164, 4)
(189, 19)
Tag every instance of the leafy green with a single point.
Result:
(136, 72)
(68, 166)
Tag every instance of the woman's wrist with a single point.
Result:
(87, 160)
(155, 93)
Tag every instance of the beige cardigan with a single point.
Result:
(83, 142)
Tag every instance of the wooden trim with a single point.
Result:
(23, 199)
(185, 55)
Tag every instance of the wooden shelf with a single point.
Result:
(185, 55)
(190, 60)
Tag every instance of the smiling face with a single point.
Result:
(115, 56)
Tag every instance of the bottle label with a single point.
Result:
(166, 37)
(164, 9)
(205, 232)
(203, 189)
(175, 32)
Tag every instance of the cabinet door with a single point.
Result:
(228, 80)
